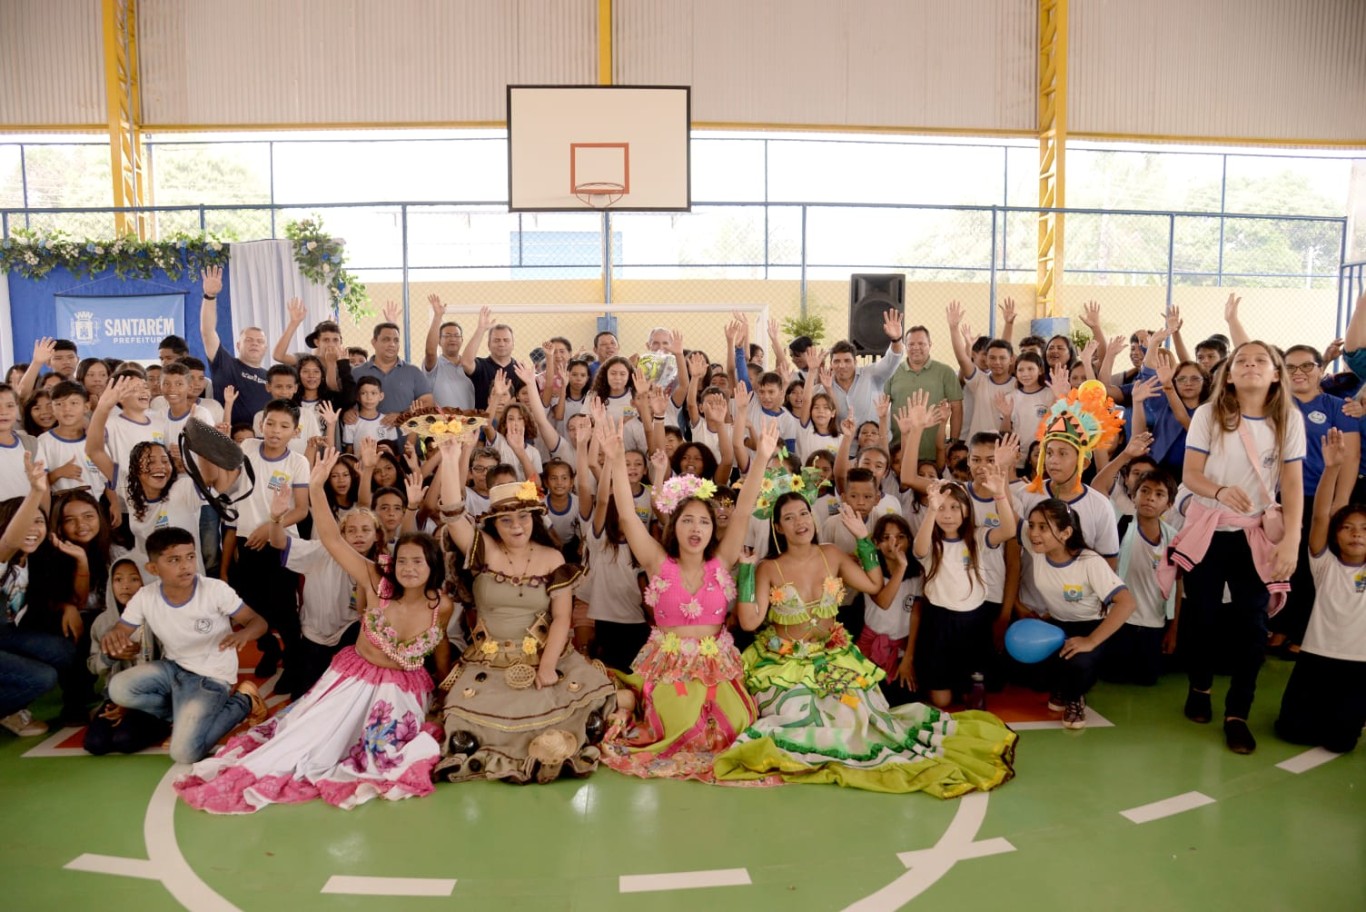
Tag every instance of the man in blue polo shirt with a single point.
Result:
(246, 372)
(405, 385)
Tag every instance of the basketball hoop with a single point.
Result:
(599, 194)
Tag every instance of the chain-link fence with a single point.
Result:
(795, 260)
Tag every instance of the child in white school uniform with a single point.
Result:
(1080, 594)
(1325, 701)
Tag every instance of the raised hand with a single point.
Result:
(1007, 453)
(1334, 449)
(327, 415)
(714, 410)
(697, 365)
(114, 392)
(391, 312)
(767, 444)
(525, 372)
(676, 342)
(882, 404)
(954, 313)
(1060, 382)
(69, 548)
(993, 482)
(1004, 403)
(43, 350)
(825, 376)
(857, 527)
(1172, 320)
(369, 453)
(282, 501)
(742, 396)
(412, 486)
(1333, 351)
(516, 437)
(917, 409)
(659, 400)
(1090, 317)
(891, 325)
(1007, 310)
(317, 476)
(659, 464)
(229, 398)
(1138, 445)
(1088, 352)
(296, 310)
(609, 433)
(934, 497)
(847, 427)
(212, 279)
(1146, 389)
(438, 309)
(1231, 308)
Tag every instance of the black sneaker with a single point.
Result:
(1239, 737)
(211, 444)
(1198, 708)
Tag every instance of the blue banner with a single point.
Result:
(123, 326)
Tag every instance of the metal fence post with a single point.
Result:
(202, 223)
(607, 257)
(803, 294)
(991, 301)
(407, 323)
(1171, 256)
(1341, 325)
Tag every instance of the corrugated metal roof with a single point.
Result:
(343, 62)
(52, 62)
(1219, 68)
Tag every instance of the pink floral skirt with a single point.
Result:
(357, 734)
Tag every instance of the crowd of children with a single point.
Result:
(487, 567)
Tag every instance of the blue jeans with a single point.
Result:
(30, 663)
(201, 710)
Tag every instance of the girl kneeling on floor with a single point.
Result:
(1082, 595)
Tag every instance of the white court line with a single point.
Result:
(683, 880)
(389, 886)
(48, 747)
(112, 864)
(996, 846)
(1308, 760)
(1093, 720)
(1167, 807)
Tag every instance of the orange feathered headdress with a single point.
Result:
(1086, 419)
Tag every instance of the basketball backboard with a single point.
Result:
(576, 148)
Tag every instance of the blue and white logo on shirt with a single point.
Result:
(1072, 593)
(1317, 417)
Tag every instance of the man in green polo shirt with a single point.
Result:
(918, 372)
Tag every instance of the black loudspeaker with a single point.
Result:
(870, 296)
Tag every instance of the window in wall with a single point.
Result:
(11, 177)
(885, 172)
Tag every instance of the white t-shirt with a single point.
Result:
(215, 409)
(808, 442)
(122, 433)
(991, 560)
(190, 632)
(289, 469)
(620, 408)
(954, 585)
(13, 478)
(983, 391)
(1337, 627)
(1227, 463)
(1150, 607)
(308, 428)
(328, 606)
(1099, 529)
(505, 454)
(565, 525)
(1078, 590)
(703, 435)
(895, 620)
(175, 425)
(353, 434)
(56, 452)
(178, 507)
(611, 590)
(1026, 411)
(833, 531)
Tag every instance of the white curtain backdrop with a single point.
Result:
(262, 277)
(6, 336)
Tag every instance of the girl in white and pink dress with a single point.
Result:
(359, 732)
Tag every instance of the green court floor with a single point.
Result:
(1238, 833)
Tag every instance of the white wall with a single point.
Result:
(52, 63)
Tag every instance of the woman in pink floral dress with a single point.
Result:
(359, 732)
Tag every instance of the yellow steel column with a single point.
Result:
(1052, 149)
(605, 42)
(125, 113)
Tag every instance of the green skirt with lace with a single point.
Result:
(823, 719)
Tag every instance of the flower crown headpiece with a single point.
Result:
(679, 488)
(1086, 419)
(777, 483)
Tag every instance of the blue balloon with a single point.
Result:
(1030, 641)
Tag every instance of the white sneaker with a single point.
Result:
(23, 724)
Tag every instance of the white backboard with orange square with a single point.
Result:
(575, 148)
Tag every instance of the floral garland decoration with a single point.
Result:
(34, 254)
(680, 488)
(321, 258)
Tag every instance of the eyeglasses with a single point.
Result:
(1307, 367)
